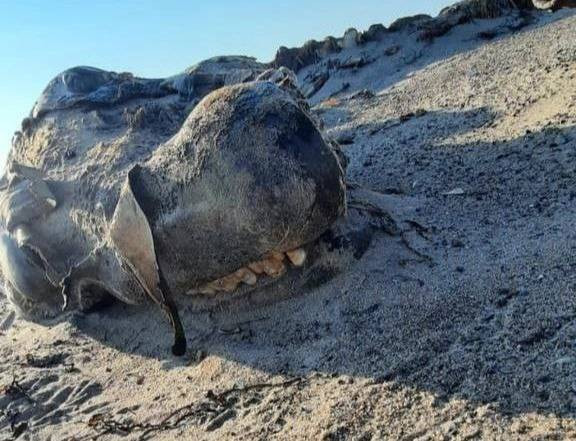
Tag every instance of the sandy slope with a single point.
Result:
(462, 327)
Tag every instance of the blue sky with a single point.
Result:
(156, 38)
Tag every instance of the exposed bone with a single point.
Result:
(297, 256)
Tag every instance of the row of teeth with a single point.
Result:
(273, 266)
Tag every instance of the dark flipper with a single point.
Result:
(131, 234)
(179, 346)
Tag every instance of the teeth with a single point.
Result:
(297, 256)
(227, 283)
(257, 267)
(276, 256)
(272, 266)
(247, 276)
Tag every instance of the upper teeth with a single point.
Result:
(273, 266)
(297, 256)
(247, 276)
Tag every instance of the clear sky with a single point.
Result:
(157, 38)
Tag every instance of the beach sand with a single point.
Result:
(463, 326)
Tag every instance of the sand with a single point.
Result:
(461, 327)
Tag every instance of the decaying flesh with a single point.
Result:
(136, 196)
